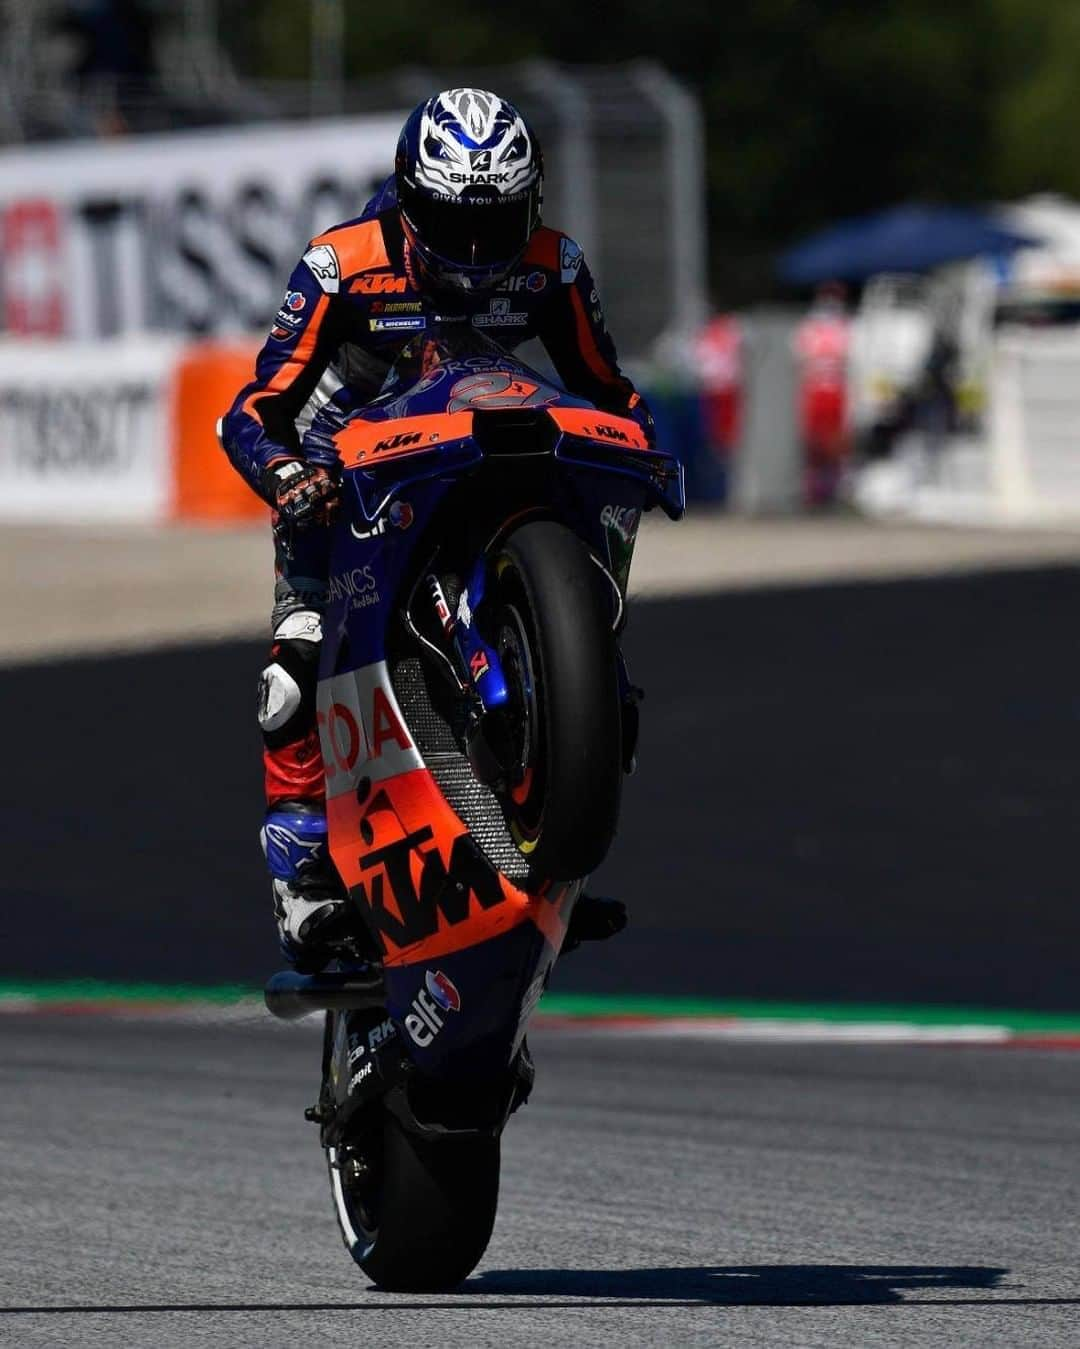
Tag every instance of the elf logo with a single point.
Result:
(425, 1020)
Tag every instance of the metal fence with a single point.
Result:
(623, 144)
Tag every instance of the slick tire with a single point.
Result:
(436, 1211)
(559, 653)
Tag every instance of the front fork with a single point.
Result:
(480, 673)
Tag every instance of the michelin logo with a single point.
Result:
(398, 323)
(322, 262)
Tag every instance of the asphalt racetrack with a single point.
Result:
(161, 1187)
(852, 792)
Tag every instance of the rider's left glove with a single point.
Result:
(638, 411)
(303, 494)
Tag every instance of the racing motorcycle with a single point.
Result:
(476, 720)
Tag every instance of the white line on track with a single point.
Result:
(250, 1012)
(815, 1032)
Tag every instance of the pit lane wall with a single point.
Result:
(135, 275)
(120, 430)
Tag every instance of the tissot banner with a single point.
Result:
(193, 233)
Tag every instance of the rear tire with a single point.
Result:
(554, 634)
(430, 1223)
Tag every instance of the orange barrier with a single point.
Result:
(205, 485)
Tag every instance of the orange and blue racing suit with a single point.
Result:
(352, 303)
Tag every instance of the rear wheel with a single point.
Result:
(419, 1218)
(553, 632)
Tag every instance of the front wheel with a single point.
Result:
(553, 632)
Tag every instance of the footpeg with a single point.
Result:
(594, 919)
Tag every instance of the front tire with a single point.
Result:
(554, 636)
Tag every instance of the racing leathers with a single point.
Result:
(353, 302)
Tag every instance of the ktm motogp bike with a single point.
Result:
(476, 720)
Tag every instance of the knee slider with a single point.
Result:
(286, 705)
(280, 701)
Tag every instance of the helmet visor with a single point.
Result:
(475, 232)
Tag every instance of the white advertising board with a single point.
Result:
(194, 233)
(85, 429)
(1032, 425)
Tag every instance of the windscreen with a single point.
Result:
(451, 347)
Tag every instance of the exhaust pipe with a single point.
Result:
(290, 996)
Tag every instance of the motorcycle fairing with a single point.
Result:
(435, 902)
(428, 890)
(467, 1013)
(363, 734)
(425, 887)
(419, 446)
(363, 441)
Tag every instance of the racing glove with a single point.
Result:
(638, 411)
(302, 494)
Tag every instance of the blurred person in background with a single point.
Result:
(718, 355)
(454, 233)
(934, 397)
(821, 352)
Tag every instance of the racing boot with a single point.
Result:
(593, 919)
(311, 908)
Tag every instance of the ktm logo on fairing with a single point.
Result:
(610, 432)
(397, 442)
(440, 890)
(382, 283)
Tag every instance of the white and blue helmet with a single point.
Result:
(470, 180)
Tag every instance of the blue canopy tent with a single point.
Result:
(909, 238)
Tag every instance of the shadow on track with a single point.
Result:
(689, 1286)
(746, 1285)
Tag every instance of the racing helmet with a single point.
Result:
(470, 180)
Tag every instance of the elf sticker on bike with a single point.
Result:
(424, 1021)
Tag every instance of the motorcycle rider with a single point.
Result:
(455, 231)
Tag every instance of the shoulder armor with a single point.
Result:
(356, 246)
(556, 251)
(322, 262)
